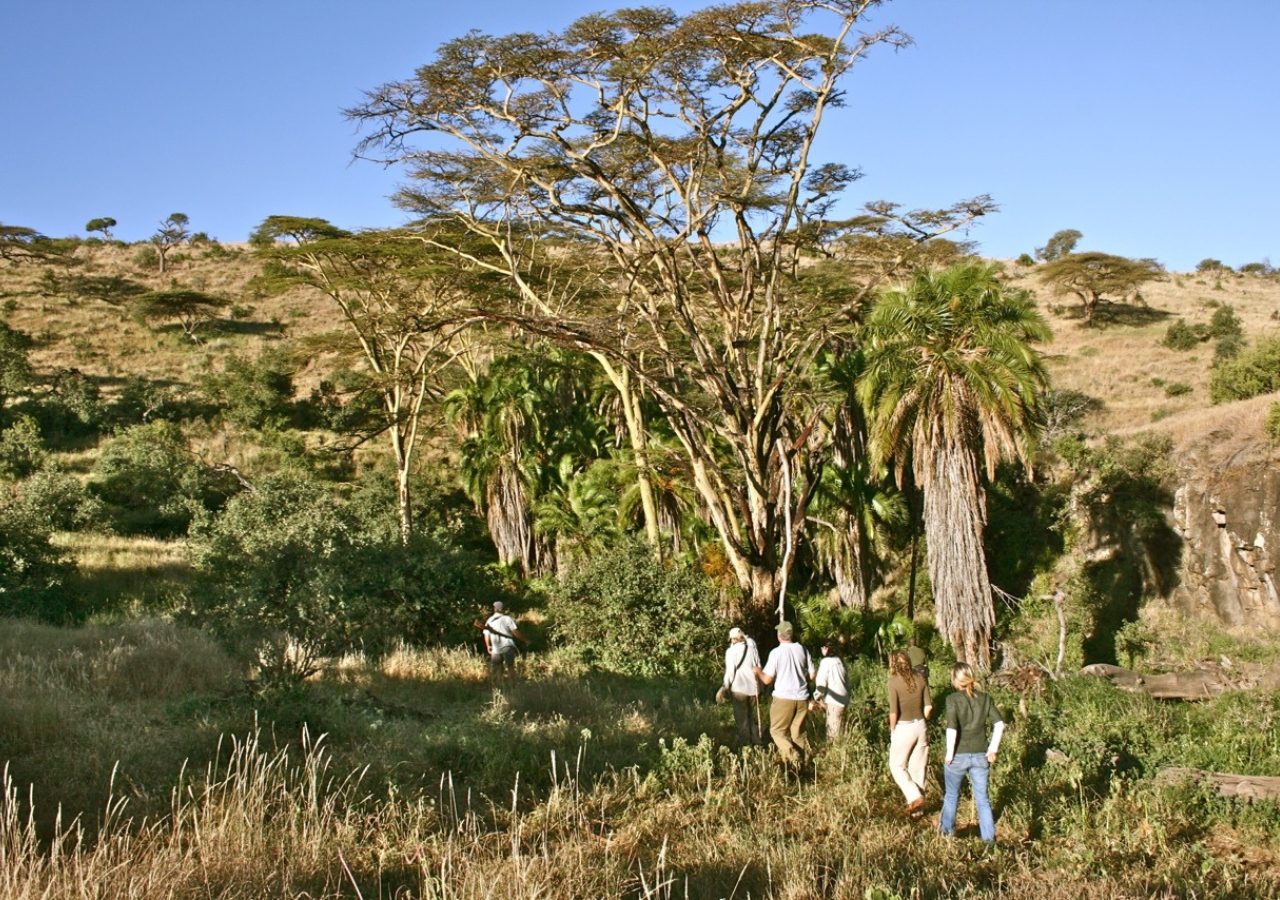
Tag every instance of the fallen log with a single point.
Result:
(1201, 684)
(1245, 787)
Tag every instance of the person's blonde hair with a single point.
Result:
(900, 665)
(962, 677)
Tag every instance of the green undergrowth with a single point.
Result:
(409, 776)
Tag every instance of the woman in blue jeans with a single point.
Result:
(969, 751)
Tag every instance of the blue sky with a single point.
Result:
(1150, 126)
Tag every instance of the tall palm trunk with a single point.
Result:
(955, 517)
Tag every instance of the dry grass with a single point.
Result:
(597, 795)
(1117, 360)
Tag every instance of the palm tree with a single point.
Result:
(952, 383)
(521, 419)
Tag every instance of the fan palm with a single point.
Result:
(952, 385)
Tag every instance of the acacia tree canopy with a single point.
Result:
(1059, 245)
(189, 308)
(1094, 277)
(103, 224)
(678, 152)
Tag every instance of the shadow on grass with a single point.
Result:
(1108, 313)
(245, 327)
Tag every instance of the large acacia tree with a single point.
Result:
(1093, 277)
(952, 385)
(676, 154)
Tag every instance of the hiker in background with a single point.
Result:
(789, 670)
(831, 687)
(969, 752)
(500, 636)
(919, 661)
(909, 706)
(741, 660)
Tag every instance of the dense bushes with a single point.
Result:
(626, 612)
(290, 574)
(151, 483)
(32, 570)
(1249, 374)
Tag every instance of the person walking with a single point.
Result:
(500, 636)
(969, 751)
(741, 659)
(789, 670)
(831, 687)
(909, 707)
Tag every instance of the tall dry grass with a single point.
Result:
(428, 784)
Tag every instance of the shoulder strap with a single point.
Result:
(746, 649)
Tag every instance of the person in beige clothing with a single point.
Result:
(909, 706)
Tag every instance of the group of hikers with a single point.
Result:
(789, 670)
(972, 720)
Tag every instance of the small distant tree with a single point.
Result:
(1094, 277)
(1262, 268)
(1059, 245)
(1213, 266)
(171, 233)
(190, 309)
(103, 224)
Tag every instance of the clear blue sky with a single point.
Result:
(1150, 126)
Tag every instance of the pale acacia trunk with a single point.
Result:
(633, 416)
(955, 518)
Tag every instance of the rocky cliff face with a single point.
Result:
(1228, 515)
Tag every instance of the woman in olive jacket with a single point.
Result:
(969, 751)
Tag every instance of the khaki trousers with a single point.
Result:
(908, 754)
(786, 727)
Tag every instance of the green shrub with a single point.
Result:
(1180, 336)
(146, 258)
(1026, 259)
(1248, 374)
(1273, 422)
(1177, 389)
(16, 375)
(150, 482)
(32, 570)
(289, 575)
(626, 612)
(58, 501)
(254, 394)
(21, 448)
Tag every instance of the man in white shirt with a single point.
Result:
(789, 670)
(741, 660)
(500, 636)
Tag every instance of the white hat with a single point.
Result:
(735, 633)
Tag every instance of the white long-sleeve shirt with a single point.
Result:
(832, 682)
(740, 662)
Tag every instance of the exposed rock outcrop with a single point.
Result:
(1227, 511)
